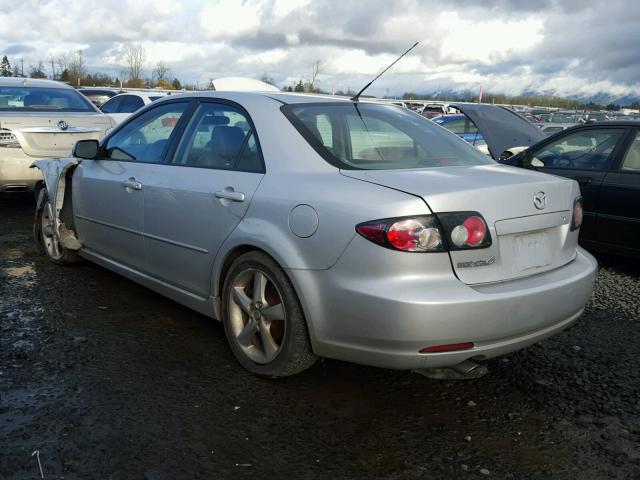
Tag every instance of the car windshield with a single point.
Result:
(378, 137)
(29, 99)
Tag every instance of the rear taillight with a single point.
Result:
(8, 139)
(465, 230)
(576, 217)
(412, 234)
(429, 233)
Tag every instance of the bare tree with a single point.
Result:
(52, 64)
(161, 72)
(135, 56)
(76, 67)
(316, 69)
(37, 71)
(62, 62)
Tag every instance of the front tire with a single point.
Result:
(263, 319)
(48, 240)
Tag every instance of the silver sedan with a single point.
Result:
(315, 226)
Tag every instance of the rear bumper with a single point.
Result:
(15, 174)
(384, 321)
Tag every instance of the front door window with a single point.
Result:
(146, 138)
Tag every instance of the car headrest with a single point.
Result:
(227, 141)
(215, 120)
(35, 99)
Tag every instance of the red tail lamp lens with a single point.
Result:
(452, 347)
(413, 234)
(477, 230)
(578, 213)
(372, 231)
(471, 233)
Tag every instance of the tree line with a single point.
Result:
(71, 68)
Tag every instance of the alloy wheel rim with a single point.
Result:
(49, 237)
(257, 315)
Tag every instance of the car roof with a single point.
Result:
(146, 95)
(282, 97)
(32, 82)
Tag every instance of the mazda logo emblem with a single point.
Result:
(540, 200)
(62, 125)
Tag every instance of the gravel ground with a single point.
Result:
(105, 379)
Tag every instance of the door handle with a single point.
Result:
(584, 180)
(132, 183)
(230, 194)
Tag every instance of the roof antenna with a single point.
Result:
(357, 95)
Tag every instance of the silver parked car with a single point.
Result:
(312, 226)
(41, 119)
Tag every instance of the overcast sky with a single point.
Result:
(565, 47)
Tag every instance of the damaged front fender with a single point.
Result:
(56, 173)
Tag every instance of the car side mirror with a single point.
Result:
(87, 149)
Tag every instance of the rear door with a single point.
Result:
(584, 155)
(200, 194)
(619, 217)
(108, 192)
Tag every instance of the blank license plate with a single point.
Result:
(533, 250)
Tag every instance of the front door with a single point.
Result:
(109, 191)
(619, 223)
(200, 195)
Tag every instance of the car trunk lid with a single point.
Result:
(525, 239)
(46, 135)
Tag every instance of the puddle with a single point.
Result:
(19, 271)
(25, 275)
(13, 254)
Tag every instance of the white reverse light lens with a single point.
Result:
(429, 238)
(459, 235)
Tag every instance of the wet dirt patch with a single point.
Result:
(109, 380)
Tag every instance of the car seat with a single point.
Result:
(223, 148)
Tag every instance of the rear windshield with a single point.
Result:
(379, 137)
(30, 99)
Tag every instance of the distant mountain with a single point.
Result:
(602, 98)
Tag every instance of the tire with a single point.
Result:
(55, 252)
(263, 319)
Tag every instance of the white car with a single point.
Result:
(41, 119)
(123, 105)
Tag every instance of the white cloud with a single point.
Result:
(551, 45)
(230, 18)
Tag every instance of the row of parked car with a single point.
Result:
(322, 226)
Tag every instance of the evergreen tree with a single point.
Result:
(176, 84)
(5, 67)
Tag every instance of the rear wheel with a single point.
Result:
(263, 319)
(49, 241)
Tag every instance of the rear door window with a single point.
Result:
(219, 136)
(631, 161)
(112, 106)
(131, 103)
